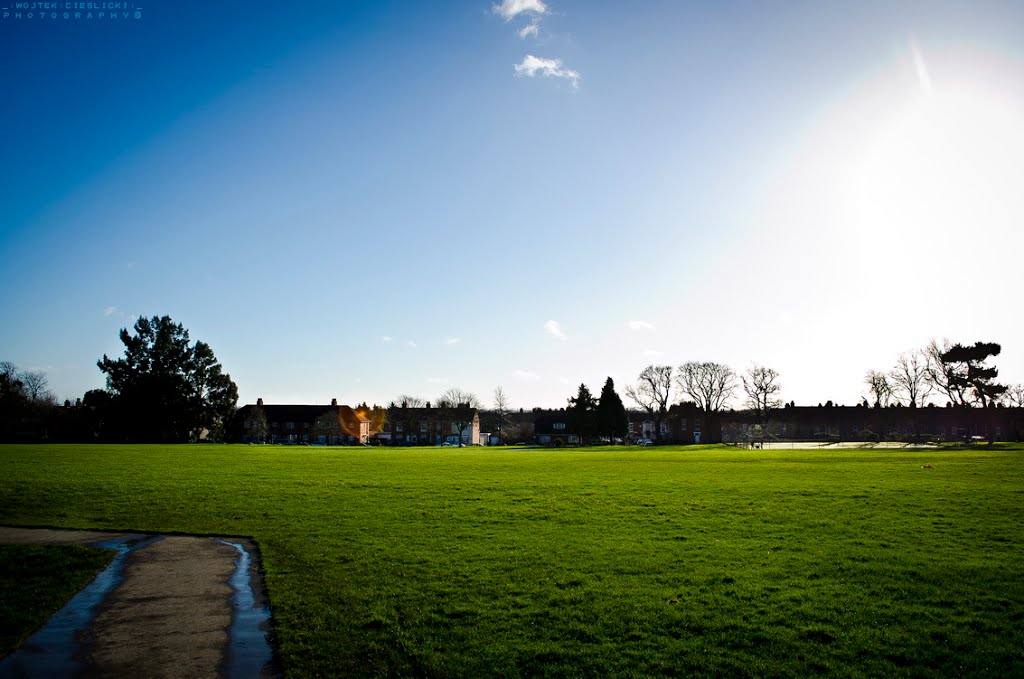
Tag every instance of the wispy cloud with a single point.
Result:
(554, 329)
(533, 28)
(530, 66)
(641, 326)
(387, 339)
(110, 311)
(452, 341)
(924, 78)
(510, 9)
(527, 376)
(412, 344)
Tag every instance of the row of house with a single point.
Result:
(343, 425)
(682, 423)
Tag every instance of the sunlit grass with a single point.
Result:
(598, 562)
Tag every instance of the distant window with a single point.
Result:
(558, 425)
(423, 427)
(398, 427)
(682, 424)
(291, 425)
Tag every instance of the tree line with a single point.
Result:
(165, 388)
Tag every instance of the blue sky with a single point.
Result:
(363, 199)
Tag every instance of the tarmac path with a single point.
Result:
(168, 606)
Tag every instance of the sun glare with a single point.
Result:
(946, 162)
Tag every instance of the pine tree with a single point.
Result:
(612, 420)
(583, 414)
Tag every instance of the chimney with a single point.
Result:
(259, 402)
(334, 401)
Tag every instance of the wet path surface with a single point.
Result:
(167, 606)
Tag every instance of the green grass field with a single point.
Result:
(36, 580)
(597, 562)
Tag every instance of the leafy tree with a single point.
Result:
(762, 387)
(967, 373)
(612, 420)
(582, 414)
(165, 389)
(652, 392)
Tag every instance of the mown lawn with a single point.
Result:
(599, 562)
(36, 580)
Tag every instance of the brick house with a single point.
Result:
(830, 422)
(326, 425)
(430, 426)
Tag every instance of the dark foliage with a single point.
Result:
(612, 420)
(165, 389)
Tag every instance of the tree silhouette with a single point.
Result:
(163, 388)
(612, 420)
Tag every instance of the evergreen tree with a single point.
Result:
(612, 420)
(164, 389)
(583, 414)
(966, 371)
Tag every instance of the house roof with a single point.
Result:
(303, 413)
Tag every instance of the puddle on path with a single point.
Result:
(55, 650)
(249, 654)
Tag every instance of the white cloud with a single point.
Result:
(452, 341)
(533, 28)
(509, 9)
(527, 376)
(386, 339)
(641, 325)
(110, 311)
(412, 344)
(555, 330)
(530, 66)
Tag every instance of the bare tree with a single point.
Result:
(36, 386)
(461, 407)
(1015, 395)
(652, 392)
(941, 376)
(501, 407)
(908, 380)
(408, 401)
(879, 387)
(710, 385)
(762, 387)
